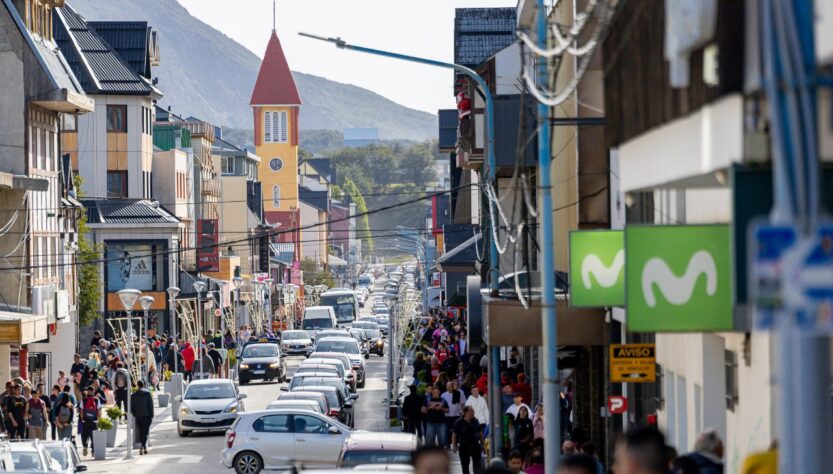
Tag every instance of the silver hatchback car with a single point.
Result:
(276, 439)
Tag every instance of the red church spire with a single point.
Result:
(275, 85)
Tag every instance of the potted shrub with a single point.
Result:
(163, 399)
(100, 438)
(113, 416)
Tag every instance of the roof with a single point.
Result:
(283, 252)
(381, 440)
(335, 261)
(99, 67)
(130, 39)
(479, 33)
(275, 85)
(127, 211)
(48, 55)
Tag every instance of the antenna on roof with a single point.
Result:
(273, 15)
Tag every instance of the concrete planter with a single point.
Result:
(163, 399)
(111, 435)
(100, 443)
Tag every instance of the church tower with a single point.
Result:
(275, 103)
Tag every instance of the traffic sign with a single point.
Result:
(617, 404)
(217, 312)
(768, 246)
(808, 280)
(630, 363)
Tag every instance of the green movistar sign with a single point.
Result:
(597, 268)
(678, 278)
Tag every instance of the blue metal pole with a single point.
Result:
(494, 273)
(552, 441)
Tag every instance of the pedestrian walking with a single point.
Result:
(412, 412)
(456, 401)
(121, 383)
(15, 410)
(64, 413)
(216, 360)
(434, 410)
(188, 357)
(467, 439)
(479, 405)
(708, 452)
(54, 402)
(36, 416)
(90, 411)
(141, 407)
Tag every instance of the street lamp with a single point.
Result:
(268, 282)
(199, 286)
(237, 281)
(390, 302)
(173, 292)
(146, 302)
(128, 299)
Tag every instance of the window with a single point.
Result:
(117, 184)
(276, 196)
(275, 127)
(117, 118)
(69, 123)
(310, 424)
(228, 165)
(731, 371)
(273, 424)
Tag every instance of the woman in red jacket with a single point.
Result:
(188, 358)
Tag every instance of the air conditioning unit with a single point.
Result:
(62, 306)
(43, 302)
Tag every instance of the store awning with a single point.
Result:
(334, 261)
(461, 258)
(22, 328)
(283, 253)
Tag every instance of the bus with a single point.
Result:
(344, 303)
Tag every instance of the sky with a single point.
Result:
(421, 28)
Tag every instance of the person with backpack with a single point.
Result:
(64, 412)
(36, 416)
(15, 410)
(121, 384)
(89, 417)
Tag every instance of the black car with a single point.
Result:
(261, 361)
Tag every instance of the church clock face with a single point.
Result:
(276, 164)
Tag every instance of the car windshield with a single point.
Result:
(28, 460)
(210, 392)
(372, 332)
(303, 369)
(59, 454)
(343, 305)
(318, 323)
(316, 399)
(355, 458)
(312, 381)
(348, 347)
(293, 335)
(260, 351)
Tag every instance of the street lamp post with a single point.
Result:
(199, 286)
(268, 282)
(128, 299)
(146, 302)
(173, 292)
(390, 302)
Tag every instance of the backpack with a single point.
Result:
(121, 379)
(90, 411)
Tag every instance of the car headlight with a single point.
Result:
(380, 342)
(244, 366)
(231, 409)
(184, 410)
(274, 365)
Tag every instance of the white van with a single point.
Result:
(317, 318)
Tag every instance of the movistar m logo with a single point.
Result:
(605, 276)
(678, 291)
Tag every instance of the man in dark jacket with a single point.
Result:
(412, 412)
(141, 407)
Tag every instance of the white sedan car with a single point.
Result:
(209, 405)
(276, 439)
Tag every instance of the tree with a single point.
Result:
(363, 232)
(89, 277)
(316, 276)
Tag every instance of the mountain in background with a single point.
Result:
(206, 74)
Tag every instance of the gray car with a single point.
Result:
(348, 346)
(275, 439)
(209, 405)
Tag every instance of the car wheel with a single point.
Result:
(248, 462)
(361, 384)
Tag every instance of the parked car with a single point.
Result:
(6, 459)
(64, 453)
(295, 342)
(276, 439)
(263, 361)
(323, 370)
(349, 347)
(341, 408)
(318, 397)
(329, 366)
(299, 404)
(366, 447)
(337, 359)
(31, 456)
(209, 405)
